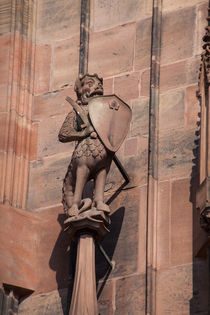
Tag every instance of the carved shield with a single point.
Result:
(111, 118)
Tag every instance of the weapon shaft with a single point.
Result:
(78, 110)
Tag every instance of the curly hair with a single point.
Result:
(79, 82)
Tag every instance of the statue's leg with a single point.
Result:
(81, 179)
(100, 181)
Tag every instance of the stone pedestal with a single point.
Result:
(87, 228)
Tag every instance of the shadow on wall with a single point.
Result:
(200, 269)
(63, 258)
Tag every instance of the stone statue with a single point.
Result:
(99, 124)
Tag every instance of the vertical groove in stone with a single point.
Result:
(152, 196)
(84, 36)
(15, 160)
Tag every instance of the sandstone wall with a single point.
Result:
(155, 227)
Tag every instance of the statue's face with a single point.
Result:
(91, 87)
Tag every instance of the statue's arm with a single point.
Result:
(68, 132)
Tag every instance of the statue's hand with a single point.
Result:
(87, 130)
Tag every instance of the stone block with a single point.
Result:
(143, 44)
(193, 70)
(57, 20)
(18, 248)
(116, 56)
(110, 14)
(145, 83)
(3, 97)
(55, 261)
(192, 107)
(121, 244)
(105, 299)
(127, 86)
(52, 303)
(140, 117)
(135, 165)
(4, 58)
(174, 46)
(66, 62)
(170, 5)
(42, 69)
(171, 110)
(176, 153)
(173, 76)
(174, 290)
(130, 147)
(48, 143)
(52, 104)
(130, 295)
(163, 224)
(181, 222)
(108, 86)
(46, 179)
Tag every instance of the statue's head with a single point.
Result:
(87, 86)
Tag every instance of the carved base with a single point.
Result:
(92, 221)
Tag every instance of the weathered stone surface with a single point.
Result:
(181, 223)
(53, 103)
(130, 147)
(66, 60)
(105, 300)
(173, 76)
(45, 182)
(127, 86)
(130, 295)
(170, 5)
(143, 44)
(174, 46)
(121, 244)
(18, 247)
(176, 153)
(116, 56)
(5, 16)
(45, 304)
(142, 239)
(163, 224)
(42, 69)
(135, 164)
(145, 83)
(57, 20)
(48, 143)
(56, 255)
(3, 97)
(108, 86)
(174, 290)
(140, 117)
(107, 15)
(201, 23)
(192, 107)
(171, 110)
(4, 58)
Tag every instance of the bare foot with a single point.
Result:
(101, 206)
(73, 211)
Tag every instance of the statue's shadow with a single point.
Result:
(63, 258)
